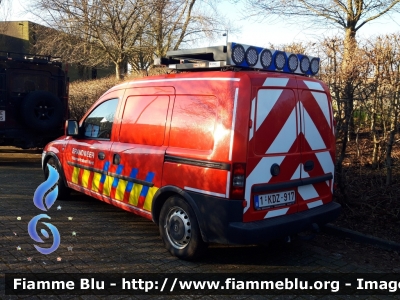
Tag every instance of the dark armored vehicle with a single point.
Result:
(33, 99)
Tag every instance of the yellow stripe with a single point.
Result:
(85, 178)
(107, 185)
(119, 193)
(135, 193)
(75, 175)
(149, 198)
(96, 182)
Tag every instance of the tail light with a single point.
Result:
(238, 180)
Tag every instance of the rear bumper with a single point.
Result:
(269, 229)
(220, 221)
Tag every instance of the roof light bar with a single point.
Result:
(314, 66)
(238, 54)
(293, 62)
(274, 60)
(280, 60)
(243, 56)
(266, 58)
(304, 64)
(251, 56)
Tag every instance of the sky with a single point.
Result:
(254, 32)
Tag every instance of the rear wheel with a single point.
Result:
(179, 229)
(63, 190)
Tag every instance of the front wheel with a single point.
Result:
(63, 190)
(179, 229)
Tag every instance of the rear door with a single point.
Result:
(274, 152)
(317, 143)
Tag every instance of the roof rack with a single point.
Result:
(240, 56)
(33, 58)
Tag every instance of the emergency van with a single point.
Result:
(236, 145)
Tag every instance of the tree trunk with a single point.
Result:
(345, 127)
(347, 97)
(117, 71)
(350, 46)
(375, 151)
(392, 134)
(120, 68)
(375, 148)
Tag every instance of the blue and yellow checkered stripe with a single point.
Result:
(118, 187)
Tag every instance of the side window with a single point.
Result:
(193, 122)
(99, 122)
(144, 120)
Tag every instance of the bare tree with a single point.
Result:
(93, 32)
(176, 24)
(384, 52)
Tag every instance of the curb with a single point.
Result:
(360, 237)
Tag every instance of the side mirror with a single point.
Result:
(71, 128)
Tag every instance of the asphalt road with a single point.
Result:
(99, 238)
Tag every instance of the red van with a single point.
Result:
(236, 146)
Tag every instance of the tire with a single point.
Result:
(63, 190)
(42, 111)
(179, 229)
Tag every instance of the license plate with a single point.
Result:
(2, 115)
(274, 199)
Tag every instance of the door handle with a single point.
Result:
(309, 165)
(101, 155)
(116, 159)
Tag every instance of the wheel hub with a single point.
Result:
(178, 227)
(43, 111)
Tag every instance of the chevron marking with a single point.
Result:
(286, 137)
(275, 81)
(312, 85)
(307, 192)
(325, 160)
(275, 213)
(299, 127)
(260, 174)
(322, 101)
(315, 204)
(253, 110)
(312, 134)
(265, 103)
(297, 173)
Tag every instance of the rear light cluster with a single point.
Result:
(238, 180)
